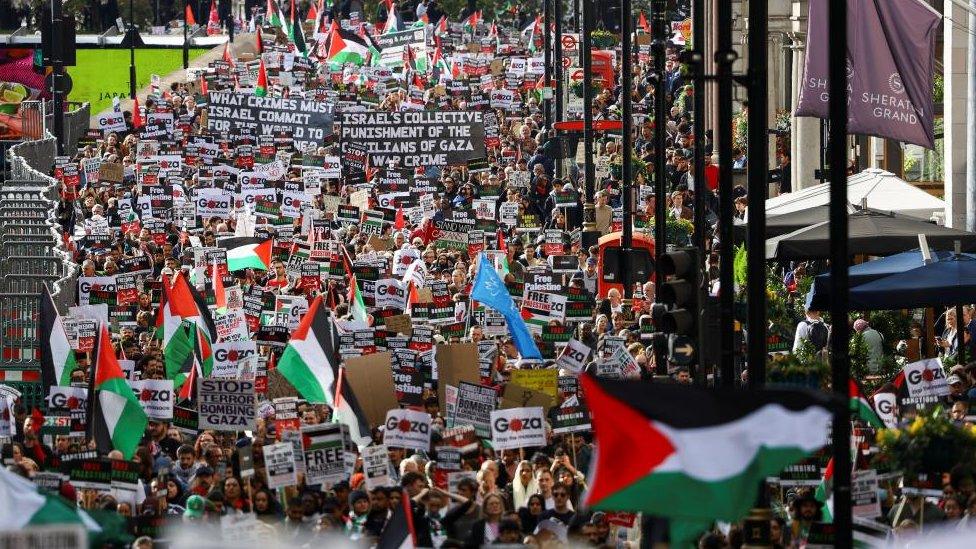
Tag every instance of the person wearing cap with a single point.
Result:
(196, 505)
(957, 388)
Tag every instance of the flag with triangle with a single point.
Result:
(116, 420)
(213, 21)
(57, 357)
(297, 34)
(309, 361)
(188, 18)
(261, 86)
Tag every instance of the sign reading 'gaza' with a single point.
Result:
(308, 121)
(417, 138)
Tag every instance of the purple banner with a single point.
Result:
(890, 64)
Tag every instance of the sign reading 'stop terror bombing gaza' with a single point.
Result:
(308, 121)
(417, 138)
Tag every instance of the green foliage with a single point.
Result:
(807, 367)
(938, 88)
(602, 39)
(859, 356)
(894, 326)
(931, 444)
(740, 267)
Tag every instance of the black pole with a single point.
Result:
(132, 50)
(758, 175)
(724, 58)
(557, 43)
(659, 28)
(701, 185)
(589, 175)
(547, 58)
(626, 187)
(839, 261)
(57, 74)
(186, 41)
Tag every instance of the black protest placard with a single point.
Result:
(417, 138)
(226, 404)
(308, 121)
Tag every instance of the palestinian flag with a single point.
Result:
(313, 14)
(346, 410)
(181, 303)
(57, 358)
(399, 532)
(261, 87)
(116, 420)
(471, 23)
(861, 407)
(297, 34)
(36, 508)
(825, 493)
(308, 362)
(357, 307)
(228, 57)
(393, 23)
(213, 21)
(441, 26)
(534, 31)
(643, 24)
(246, 252)
(657, 446)
(259, 42)
(342, 46)
(275, 17)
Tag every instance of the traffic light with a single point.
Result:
(680, 292)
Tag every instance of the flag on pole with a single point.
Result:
(260, 90)
(643, 24)
(117, 420)
(188, 18)
(489, 289)
(399, 532)
(57, 357)
(342, 46)
(471, 23)
(228, 57)
(259, 43)
(308, 362)
(247, 252)
(213, 21)
(825, 493)
(535, 31)
(297, 34)
(346, 410)
(136, 114)
(669, 436)
(861, 407)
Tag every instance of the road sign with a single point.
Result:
(576, 75)
(567, 61)
(569, 41)
(682, 350)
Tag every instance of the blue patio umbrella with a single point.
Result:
(950, 281)
(818, 298)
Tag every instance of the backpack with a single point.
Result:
(818, 334)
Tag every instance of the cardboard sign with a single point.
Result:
(456, 362)
(540, 380)
(324, 447)
(279, 464)
(518, 428)
(574, 356)
(407, 429)
(925, 378)
(370, 376)
(226, 404)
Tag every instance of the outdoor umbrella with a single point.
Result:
(780, 224)
(818, 298)
(870, 232)
(947, 282)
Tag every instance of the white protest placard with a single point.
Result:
(925, 378)
(227, 354)
(155, 396)
(99, 285)
(474, 406)
(279, 463)
(518, 428)
(332, 167)
(211, 202)
(864, 494)
(574, 356)
(231, 326)
(885, 405)
(324, 447)
(376, 466)
(407, 429)
(112, 122)
(391, 294)
(226, 404)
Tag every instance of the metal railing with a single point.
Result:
(31, 243)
